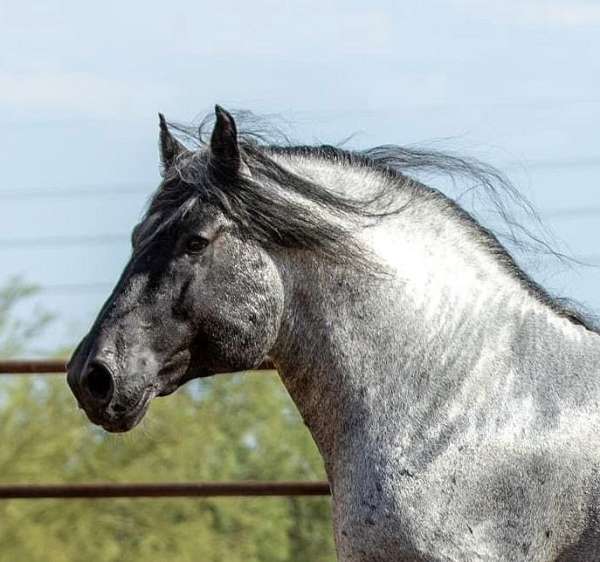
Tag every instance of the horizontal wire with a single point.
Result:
(96, 191)
(69, 288)
(572, 213)
(61, 241)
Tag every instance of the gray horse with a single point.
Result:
(455, 404)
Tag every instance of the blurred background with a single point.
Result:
(514, 83)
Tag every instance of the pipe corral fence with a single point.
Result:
(143, 490)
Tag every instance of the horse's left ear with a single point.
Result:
(170, 147)
(225, 151)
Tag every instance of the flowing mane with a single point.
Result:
(279, 217)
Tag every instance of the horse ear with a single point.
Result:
(170, 147)
(225, 151)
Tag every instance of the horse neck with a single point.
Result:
(365, 355)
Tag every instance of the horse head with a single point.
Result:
(198, 296)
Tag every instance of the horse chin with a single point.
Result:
(123, 425)
(127, 421)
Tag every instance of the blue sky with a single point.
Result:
(516, 83)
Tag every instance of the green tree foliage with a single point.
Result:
(231, 427)
(17, 334)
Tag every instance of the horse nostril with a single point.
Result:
(99, 382)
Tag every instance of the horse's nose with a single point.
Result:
(98, 383)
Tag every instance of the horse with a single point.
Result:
(455, 403)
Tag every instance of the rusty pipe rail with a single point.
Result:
(163, 490)
(54, 366)
(144, 490)
(32, 366)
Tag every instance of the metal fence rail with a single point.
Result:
(163, 490)
(33, 366)
(145, 490)
(54, 366)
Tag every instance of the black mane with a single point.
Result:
(274, 217)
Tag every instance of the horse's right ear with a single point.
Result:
(224, 148)
(170, 147)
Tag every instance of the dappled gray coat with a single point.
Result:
(455, 404)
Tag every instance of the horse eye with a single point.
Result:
(196, 244)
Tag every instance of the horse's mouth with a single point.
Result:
(128, 420)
